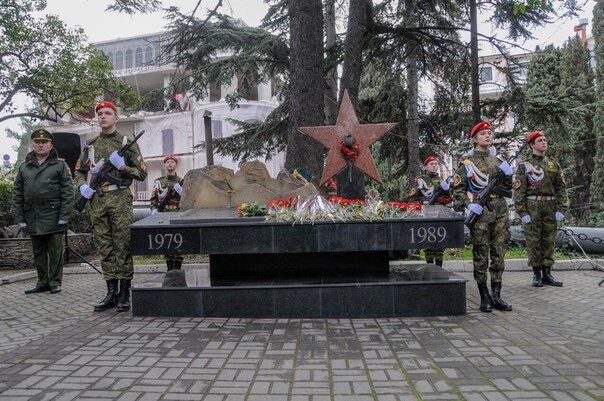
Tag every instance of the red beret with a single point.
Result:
(170, 157)
(430, 159)
(105, 103)
(482, 125)
(534, 135)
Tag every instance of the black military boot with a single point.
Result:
(485, 298)
(177, 264)
(110, 299)
(499, 303)
(123, 302)
(439, 262)
(429, 260)
(548, 279)
(537, 280)
(169, 265)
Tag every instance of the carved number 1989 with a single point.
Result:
(429, 234)
(165, 241)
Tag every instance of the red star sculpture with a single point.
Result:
(364, 135)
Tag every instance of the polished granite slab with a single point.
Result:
(420, 290)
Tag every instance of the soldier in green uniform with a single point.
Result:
(430, 185)
(42, 204)
(491, 231)
(168, 185)
(111, 214)
(541, 200)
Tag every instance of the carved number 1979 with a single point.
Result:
(428, 234)
(165, 241)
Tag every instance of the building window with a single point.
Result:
(128, 58)
(167, 141)
(110, 57)
(138, 57)
(119, 60)
(486, 74)
(149, 55)
(519, 71)
(246, 88)
(216, 128)
(215, 92)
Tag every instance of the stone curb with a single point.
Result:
(456, 266)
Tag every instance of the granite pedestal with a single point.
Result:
(325, 269)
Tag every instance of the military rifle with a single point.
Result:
(439, 192)
(169, 196)
(483, 197)
(102, 174)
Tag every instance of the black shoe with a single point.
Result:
(499, 303)
(110, 299)
(169, 265)
(429, 260)
(548, 279)
(55, 289)
(37, 288)
(177, 264)
(439, 262)
(485, 298)
(537, 280)
(123, 303)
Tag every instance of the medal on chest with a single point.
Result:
(534, 174)
(477, 180)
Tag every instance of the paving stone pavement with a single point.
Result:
(53, 347)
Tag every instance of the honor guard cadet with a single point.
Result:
(490, 233)
(541, 201)
(42, 204)
(166, 198)
(431, 189)
(111, 206)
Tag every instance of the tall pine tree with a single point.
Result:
(597, 179)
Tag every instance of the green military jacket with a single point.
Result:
(161, 188)
(99, 148)
(539, 176)
(428, 186)
(43, 194)
(473, 175)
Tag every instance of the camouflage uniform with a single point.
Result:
(491, 231)
(43, 195)
(111, 214)
(540, 192)
(428, 186)
(161, 188)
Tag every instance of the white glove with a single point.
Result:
(475, 207)
(154, 211)
(22, 225)
(506, 168)
(117, 160)
(62, 222)
(559, 216)
(178, 188)
(86, 191)
(445, 185)
(526, 219)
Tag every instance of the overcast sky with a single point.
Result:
(100, 26)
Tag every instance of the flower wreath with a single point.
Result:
(352, 152)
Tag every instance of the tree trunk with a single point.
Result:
(474, 61)
(597, 178)
(412, 118)
(331, 77)
(353, 49)
(307, 85)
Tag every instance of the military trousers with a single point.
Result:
(434, 254)
(541, 232)
(48, 258)
(489, 237)
(111, 216)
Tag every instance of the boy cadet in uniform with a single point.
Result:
(42, 204)
(491, 231)
(163, 187)
(111, 214)
(428, 186)
(541, 200)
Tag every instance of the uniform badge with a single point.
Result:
(456, 180)
(67, 170)
(516, 184)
